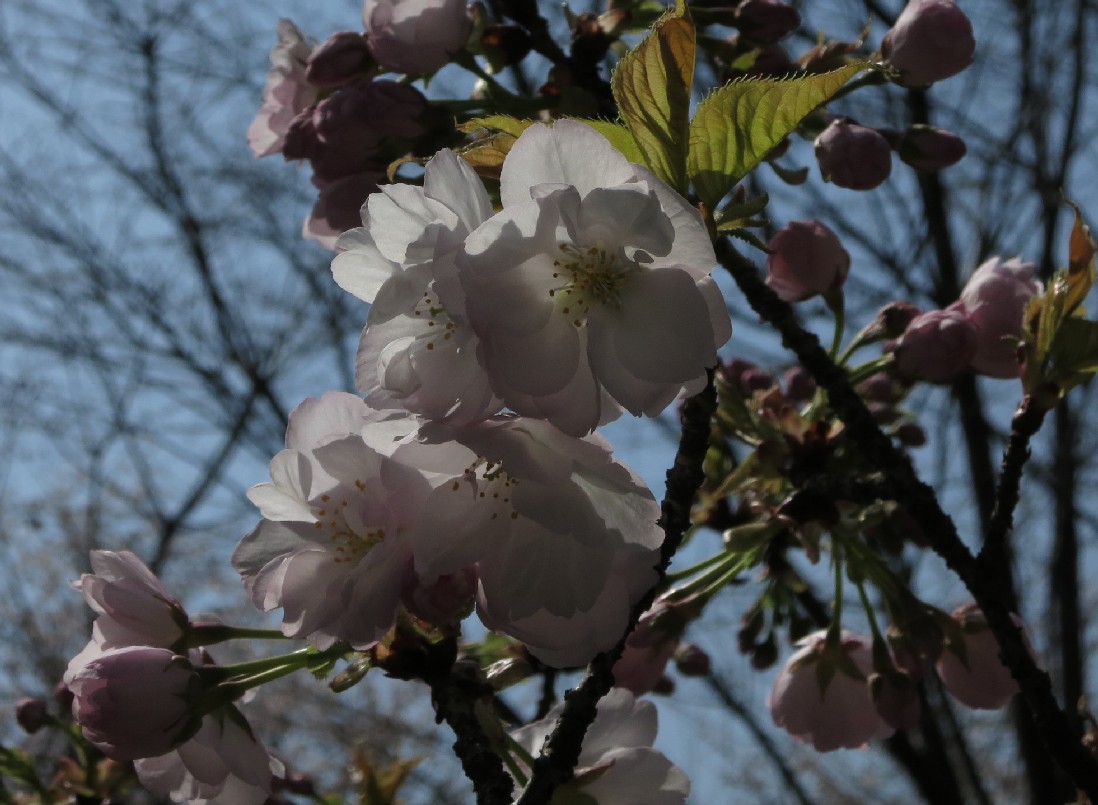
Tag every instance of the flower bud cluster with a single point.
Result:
(979, 331)
(323, 104)
(139, 695)
(839, 692)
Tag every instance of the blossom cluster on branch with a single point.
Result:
(542, 271)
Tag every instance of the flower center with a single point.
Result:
(439, 324)
(494, 487)
(348, 544)
(592, 277)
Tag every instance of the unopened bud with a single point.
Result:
(927, 148)
(931, 40)
(692, 660)
(341, 59)
(764, 22)
(32, 714)
(853, 156)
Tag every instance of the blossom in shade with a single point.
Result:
(806, 259)
(573, 640)
(853, 156)
(416, 37)
(973, 672)
(931, 40)
(417, 350)
(590, 291)
(337, 207)
(132, 605)
(333, 548)
(544, 516)
(617, 764)
(221, 764)
(287, 94)
(995, 300)
(135, 701)
(937, 346)
(821, 695)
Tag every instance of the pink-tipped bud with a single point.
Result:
(692, 660)
(937, 346)
(416, 37)
(821, 694)
(341, 59)
(995, 300)
(807, 259)
(931, 40)
(135, 702)
(973, 672)
(928, 148)
(853, 156)
(31, 713)
(764, 22)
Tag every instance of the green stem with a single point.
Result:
(836, 301)
(835, 629)
(208, 634)
(869, 612)
(700, 566)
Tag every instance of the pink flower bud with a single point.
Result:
(807, 259)
(928, 148)
(973, 673)
(136, 702)
(800, 386)
(692, 660)
(764, 22)
(995, 300)
(338, 207)
(31, 713)
(853, 156)
(931, 40)
(341, 59)
(821, 696)
(937, 346)
(416, 37)
(287, 94)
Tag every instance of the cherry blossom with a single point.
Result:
(617, 764)
(590, 290)
(417, 351)
(133, 607)
(821, 694)
(221, 764)
(931, 40)
(415, 36)
(974, 673)
(332, 549)
(543, 516)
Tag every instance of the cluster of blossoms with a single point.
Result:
(469, 475)
(842, 690)
(980, 331)
(139, 694)
(324, 103)
(586, 295)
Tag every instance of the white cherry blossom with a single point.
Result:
(417, 351)
(590, 290)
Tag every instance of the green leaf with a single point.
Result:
(505, 123)
(737, 125)
(652, 86)
(619, 137)
(1073, 356)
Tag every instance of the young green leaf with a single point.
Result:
(736, 126)
(652, 86)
